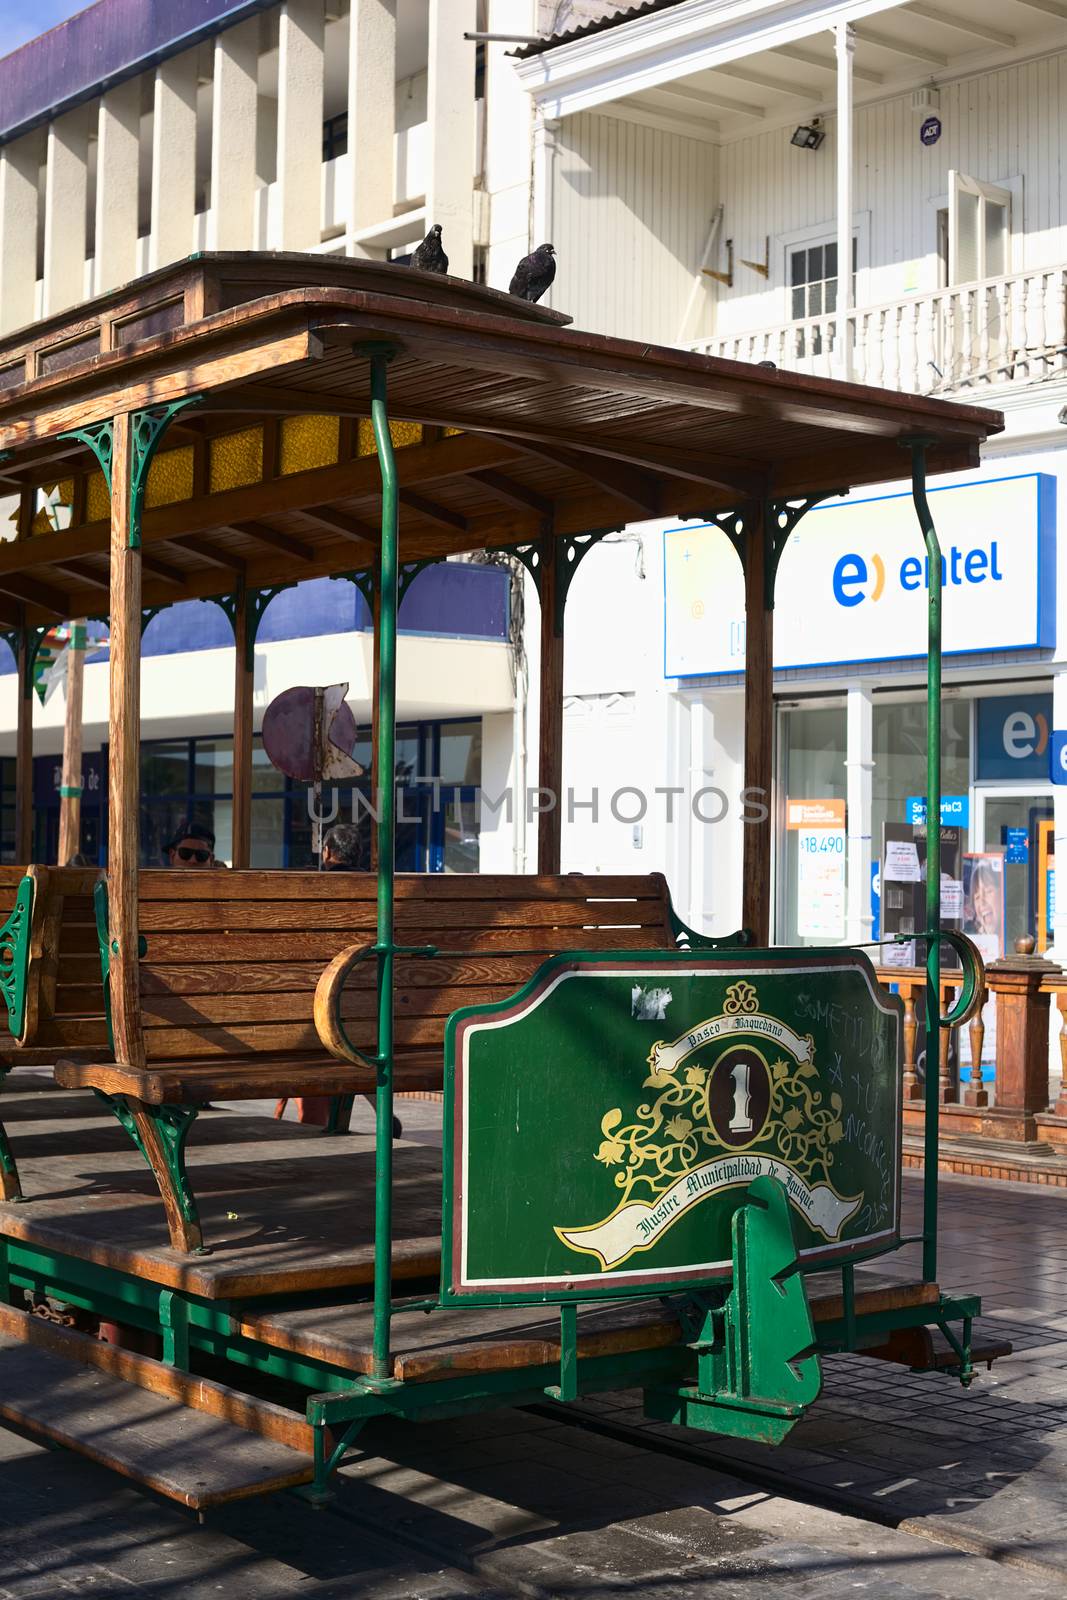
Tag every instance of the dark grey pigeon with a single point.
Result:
(534, 273)
(430, 256)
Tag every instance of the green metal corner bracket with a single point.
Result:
(757, 1366)
(147, 428)
(15, 957)
(99, 437)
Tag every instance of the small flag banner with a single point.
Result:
(50, 667)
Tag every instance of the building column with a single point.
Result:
(859, 791)
(117, 150)
(1058, 947)
(450, 113)
(844, 47)
(509, 112)
(19, 168)
(301, 65)
(371, 113)
(65, 199)
(173, 160)
(542, 200)
(234, 96)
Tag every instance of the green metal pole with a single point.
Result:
(933, 856)
(383, 1200)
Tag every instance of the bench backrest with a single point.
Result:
(63, 992)
(64, 996)
(232, 958)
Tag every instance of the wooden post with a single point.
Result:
(70, 788)
(124, 764)
(759, 733)
(1022, 1089)
(24, 754)
(243, 685)
(550, 753)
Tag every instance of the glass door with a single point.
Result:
(1001, 898)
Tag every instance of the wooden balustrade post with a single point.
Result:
(1060, 1107)
(976, 1093)
(946, 1087)
(912, 1087)
(1021, 1089)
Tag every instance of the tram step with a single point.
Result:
(160, 1439)
(928, 1350)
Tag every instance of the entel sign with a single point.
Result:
(853, 578)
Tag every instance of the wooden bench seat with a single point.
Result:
(52, 983)
(232, 961)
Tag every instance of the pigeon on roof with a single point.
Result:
(430, 255)
(534, 273)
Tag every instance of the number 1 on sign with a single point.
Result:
(741, 1121)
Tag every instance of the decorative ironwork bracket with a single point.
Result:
(99, 437)
(571, 551)
(147, 428)
(257, 602)
(780, 517)
(409, 571)
(11, 637)
(365, 580)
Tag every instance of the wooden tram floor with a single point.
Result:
(289, 1211)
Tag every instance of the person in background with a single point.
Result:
(192, 845)
(342, 850)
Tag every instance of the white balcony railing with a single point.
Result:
(972, 337)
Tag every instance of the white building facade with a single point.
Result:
(702, 168)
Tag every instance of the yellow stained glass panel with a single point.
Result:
(308, 442)
(97, 499)
(53, 507)
(170, 477)
(236, 459)
(403, 434)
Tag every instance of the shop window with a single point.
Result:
(899, 748)
(811, 859)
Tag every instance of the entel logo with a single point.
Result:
(1025, 735)
(853, 573)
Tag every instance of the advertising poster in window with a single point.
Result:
(1046, 882)
(820, 829)
(904, 888)
(984, 911)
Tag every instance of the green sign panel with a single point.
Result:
(603, 1124)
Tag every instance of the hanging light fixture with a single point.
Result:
(809, 135)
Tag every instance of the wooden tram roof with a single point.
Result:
(509, 425)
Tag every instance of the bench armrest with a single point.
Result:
(328, 992)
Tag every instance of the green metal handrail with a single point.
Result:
(931, 1130)
(386, 758)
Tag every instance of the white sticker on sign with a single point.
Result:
(901, 862)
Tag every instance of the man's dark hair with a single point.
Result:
(188, 829)
(343, 842)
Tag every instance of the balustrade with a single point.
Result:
(972, 336)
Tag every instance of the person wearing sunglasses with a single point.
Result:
(193, 845)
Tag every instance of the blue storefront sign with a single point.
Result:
(1016, 842)
(955, 811)
(1013, 737)
(1057, 757)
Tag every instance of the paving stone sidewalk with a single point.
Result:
(986, 1465)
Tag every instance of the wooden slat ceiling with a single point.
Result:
(558, 431)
